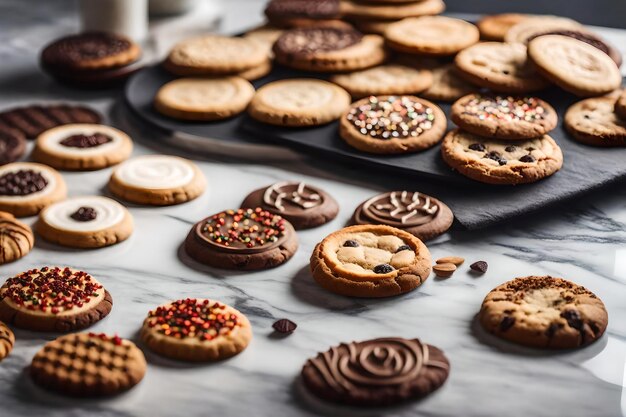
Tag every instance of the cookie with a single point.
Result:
(419, 214)
(257, 72)
(245, 239)
(53, 299)
(501, 67)
(214, 55)
(328, 49)
(265, 35)
(533, 25)
(299, 102)
(85, 222)
(82, 147)
(494, 161)
(447, 86)
(282, 12)
(16, 238)
(370, 261)
(359, 11)
(544, 312)
(158, 180)
(377, 372)
(494, 27)
(392, 124)
(431, 35)
(373, 27)
(12, 145)
(35, 119)
(196, 330)
(384, 80)
(302, 205)
(573, 65)
(88, 365)
(504, 117)
(7, 340)
(620, 105)
(594, 122)
(204, 99)
(27, 187)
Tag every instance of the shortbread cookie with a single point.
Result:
(246, 239)
(85, 222)
(377, 372)
(496, 161)
(82, 147)
(35, 119)
(303, 205)
(328, 49)
(380, 11)
(431, 35)
(265, 35)
(504, 117)
(384, 80)
(214, 55)
(158, 180)
(501, 67)
(88, 365)
(392, 124)
(620, 105)
(257, 72)
(12, 145)
(204, 99)
(370, 261)
(573, 65)
(196, 330)
(372, 27)
(7, 340)
(524, 30)
(16, 238)
(594, 122)
(53, 299)
(495, 27)
(299, 102)
(447, 85)
(27, 187)
(419, 214)
(544, 312)
(283, 12)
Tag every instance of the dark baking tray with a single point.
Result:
(475, 205)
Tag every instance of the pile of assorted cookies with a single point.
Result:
(385, 63)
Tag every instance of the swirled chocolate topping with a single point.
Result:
(400, 209)
(22, 182)
(311, 9)
(306, 41)
(289, 197)
(86, 141)
(72, 50)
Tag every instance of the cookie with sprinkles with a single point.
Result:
(504, 117)
(196, 330)
(392, 124)
(53, 299)
(245, 239)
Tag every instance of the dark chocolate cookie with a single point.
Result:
(246, 239)
(376, 372)
(35, 119)
(303, 205)
(281, 10)
(297, 43)
(419, 214)
(12, 145)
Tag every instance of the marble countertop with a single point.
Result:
(583, 241)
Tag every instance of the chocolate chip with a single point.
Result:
(494, 155)
(351, 244)
(527, 158)
(477, 147)
(506, 323)
(553, 329)
(22, 182)
(84, 214)
(573, 319)
(480, 266)
(510, 148)
(403, 247)
(284, 326)
(383, 269)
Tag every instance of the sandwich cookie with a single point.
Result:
(16, 238)
(158, 180)
(27, 187)
(593, 121)
(53, 299)
(196, 330)
(245, 239)
(384, 80)
(85, 222)
(370, 261)
(82, 147)
(7, 340)
(12, 145)
(495, 27)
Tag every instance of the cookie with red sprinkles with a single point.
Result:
(196, 330)
(53, 299)
(246, 239)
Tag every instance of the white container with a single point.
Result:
(126, 17)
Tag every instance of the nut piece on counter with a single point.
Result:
(456, 260)
(444, 270)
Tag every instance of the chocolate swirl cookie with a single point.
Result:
(12, 145)
(376, 372)
(16, 238)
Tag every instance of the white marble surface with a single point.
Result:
(585, 242)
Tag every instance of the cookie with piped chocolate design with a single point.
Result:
(544, 312)
(12, 144)
(377, 372)
(370, 261)
(245, 239)
(16, 238)
(303, 205)
(7, 340)
(33, 120)
(419, 214)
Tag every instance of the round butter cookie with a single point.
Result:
(447, 85)
(495, 27)
(593, 121)
(384, 80)
(527, 28)
(364, 11)
(620, 105)
(16, 238)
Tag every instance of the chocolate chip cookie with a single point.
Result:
(16, 238)
(370, 261)
(496, 161)
(12, 145)
(33, 120)
(544, 312)
(594, 121)
(384, 80)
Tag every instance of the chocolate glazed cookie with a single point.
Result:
(303, 205)
(419, 214)
(376, 372)
(12, 145)
(246, 239)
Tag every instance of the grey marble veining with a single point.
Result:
(584, 241)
